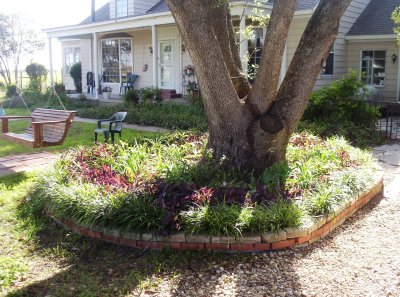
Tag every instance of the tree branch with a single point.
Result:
(313, 49)
(266, 82)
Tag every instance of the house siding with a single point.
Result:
(85, 58)
(348, 19)
(354, 58)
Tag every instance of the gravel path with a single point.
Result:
(361, 258)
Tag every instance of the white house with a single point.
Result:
(125, 35)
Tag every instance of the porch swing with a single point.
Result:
(48, 127)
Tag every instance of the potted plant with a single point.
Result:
(106, 92)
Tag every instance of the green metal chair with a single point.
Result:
(115, 126)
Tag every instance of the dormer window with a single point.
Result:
(121, 7)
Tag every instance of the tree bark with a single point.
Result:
(249, 128)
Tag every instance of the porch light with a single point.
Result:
(394, 58)
(183, 48)
(151, 50)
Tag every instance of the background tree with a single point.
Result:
(37, 74)
(396, 21)
(250, 125)
(16, 41)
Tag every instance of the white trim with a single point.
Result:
(96, 66)
(119, 55)
(154, 44)
(371, 37)
(51, 65)
(175, 79)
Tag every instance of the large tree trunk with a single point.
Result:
(249, 127)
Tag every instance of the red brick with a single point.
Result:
(128, 242)
(217, 246)
(192, 246)
(279, 245)
(111, 238)
(262, 247)
(175, 245)
(317, 233)
(244, 247)
(304, 239)
(69, 224)
(97, 234)
(328, 226)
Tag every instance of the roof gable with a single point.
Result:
(375, 19)
(103, 13)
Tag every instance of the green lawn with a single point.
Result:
(79, 134)
(40, 258)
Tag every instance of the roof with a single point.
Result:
(372, 23)
(103, 14)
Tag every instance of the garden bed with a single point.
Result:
(157, 193)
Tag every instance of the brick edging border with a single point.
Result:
(282, 239)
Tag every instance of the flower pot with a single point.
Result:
(106, 95)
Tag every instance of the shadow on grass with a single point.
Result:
(13, 180)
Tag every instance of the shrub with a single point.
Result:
(11, 91)
(76, 74)
(169, 115)
(150, 93)
(336, 103)
(132, 96)
(37, 74)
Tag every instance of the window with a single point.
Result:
(116, 59)
(121, 7)
(329, 63)
(72, 56)
(373, 65)
(256, 44)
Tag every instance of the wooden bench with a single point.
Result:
(48, 127)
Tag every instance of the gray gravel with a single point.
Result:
(361, 258)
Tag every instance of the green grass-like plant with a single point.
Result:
(170, 183)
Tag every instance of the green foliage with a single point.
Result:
(333, 111)
(37, 74)
(76, 74)
(235, 220)
(11, 91)
(150, 94)
(336, 103)
(11, 270)
(168, 115)
(175, 184)
(16, 40)
(132, 96)
(396, 20)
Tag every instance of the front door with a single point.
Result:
(166, 73)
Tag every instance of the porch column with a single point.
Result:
(243, 47)
(95, 65)
(155, 51)
(51, 65)
(398, 77)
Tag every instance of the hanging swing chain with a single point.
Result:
(52, 92)
(19, 94)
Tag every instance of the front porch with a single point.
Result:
(116, 98)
